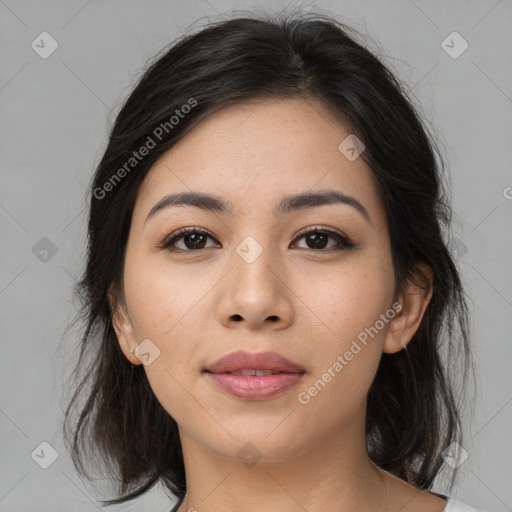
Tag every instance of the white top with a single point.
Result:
(458, 506)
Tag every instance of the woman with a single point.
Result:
(269, 301)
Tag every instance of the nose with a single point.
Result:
(255, 294)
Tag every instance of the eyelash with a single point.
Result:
(344, 241)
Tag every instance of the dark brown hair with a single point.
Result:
(413, 410)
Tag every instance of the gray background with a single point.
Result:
(54, 115)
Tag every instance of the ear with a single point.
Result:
(123, 328)
(414, 301)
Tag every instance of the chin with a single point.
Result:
(260, 445)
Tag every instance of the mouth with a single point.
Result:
(254, 376)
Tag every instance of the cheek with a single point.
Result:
(350, 332)
(164, 306)
(349, 298)
(162, 296)
(349, 341)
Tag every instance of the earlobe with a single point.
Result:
(414, 301)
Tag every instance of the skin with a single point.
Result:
(306, 303)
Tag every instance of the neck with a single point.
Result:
(330, 472)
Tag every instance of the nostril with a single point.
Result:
(237, 318)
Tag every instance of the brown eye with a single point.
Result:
(193, 239)
(317, 239)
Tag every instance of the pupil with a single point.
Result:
(195, 243)
(316, 244)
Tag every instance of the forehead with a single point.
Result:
(254, 153)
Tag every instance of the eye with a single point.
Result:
(317, 238)
(194, 239)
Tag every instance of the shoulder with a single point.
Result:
(459, 506)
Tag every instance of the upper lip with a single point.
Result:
(241, 360)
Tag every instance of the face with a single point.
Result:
(306, 282)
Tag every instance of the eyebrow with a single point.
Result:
(288, 204)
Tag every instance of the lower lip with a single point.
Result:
(255, 387)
